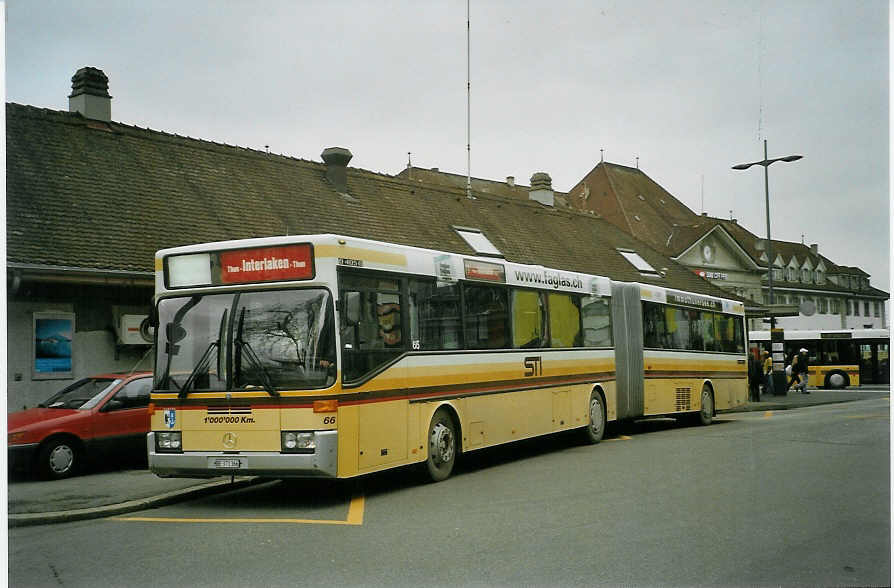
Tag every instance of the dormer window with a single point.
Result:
(805, 275)
(639, 263)
(791, 274)
(477, 241)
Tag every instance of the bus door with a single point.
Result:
(627, 328)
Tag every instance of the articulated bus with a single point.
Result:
(837, 358)
(336, 356)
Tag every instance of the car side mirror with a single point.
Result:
(113, 404)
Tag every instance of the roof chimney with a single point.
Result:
(510, 180)
(90, 94)
(814, 248)
(336, 160)
(542, 189)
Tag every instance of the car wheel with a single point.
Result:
(441, 446)
(58, 459)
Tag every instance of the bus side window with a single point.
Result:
(486, 317)
(564, 320)
(434, 315)
(654, 326)
(528, 319)
(374, 336)
(597, 323)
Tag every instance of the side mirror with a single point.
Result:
(113, 404)
(352, 308)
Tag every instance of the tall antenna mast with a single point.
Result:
(468, 101)
(703, 194)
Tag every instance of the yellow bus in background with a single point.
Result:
(838, 358)
(327, 355)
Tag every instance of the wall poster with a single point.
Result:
(53, 335)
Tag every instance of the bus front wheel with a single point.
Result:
(441, 446)
(837, 381)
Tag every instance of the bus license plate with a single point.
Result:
(227, 463)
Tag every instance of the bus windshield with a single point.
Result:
(270, 340)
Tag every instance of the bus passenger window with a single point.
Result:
(596, 311)
(528, 319)
(374, 337)
(434, 315)
(486, 317)
(564, 321)
(654, 326)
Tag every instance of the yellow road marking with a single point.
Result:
(355, 518)
(620, 438)
(768, 414)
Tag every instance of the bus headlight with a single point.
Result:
(168, 442)
(298, 442)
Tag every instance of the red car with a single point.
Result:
(92, 417)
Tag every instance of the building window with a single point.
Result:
(850, 308)
(791, 274)
(865, 308)
(805, 275)
(834, 306)
(820, 278)
(639, 263)
(477, 241)
(877, 309)
(823, 305)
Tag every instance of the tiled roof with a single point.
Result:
(87, 194)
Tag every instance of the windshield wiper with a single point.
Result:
(249, 353)
(201, 367)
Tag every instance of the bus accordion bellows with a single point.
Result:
(837, 358)
(335, 356)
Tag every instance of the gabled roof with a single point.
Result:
(633, 202)
(106, 196)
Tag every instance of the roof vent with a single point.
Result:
(90, 94)
(510, 180)
(542, 189)
(336, 160)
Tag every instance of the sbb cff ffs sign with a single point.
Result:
(266, 264)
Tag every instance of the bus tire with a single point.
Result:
(836, 380)
(706, 413)
(595, 429)
(442, 445)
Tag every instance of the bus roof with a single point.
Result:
(818, 334)
(380, 255)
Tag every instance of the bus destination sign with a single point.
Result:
(266, 264)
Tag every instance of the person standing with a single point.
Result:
(767, 372)
(803, 364)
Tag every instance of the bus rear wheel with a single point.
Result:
(441, 446)
(595, 429)
(706, 414)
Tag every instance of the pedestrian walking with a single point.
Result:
(792, 371)
(803, 365)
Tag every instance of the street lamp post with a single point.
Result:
(778, 376)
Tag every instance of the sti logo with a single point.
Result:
(170, 417)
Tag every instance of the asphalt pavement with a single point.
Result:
(107, 493)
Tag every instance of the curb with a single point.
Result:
(80, 514)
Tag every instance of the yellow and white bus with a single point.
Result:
(837, 358)
(326, 355)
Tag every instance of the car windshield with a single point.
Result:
(83, 394)
(270, 340)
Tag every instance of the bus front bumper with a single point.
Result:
(208, 464)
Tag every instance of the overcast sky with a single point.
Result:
(689, 87)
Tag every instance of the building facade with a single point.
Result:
(815, 291)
